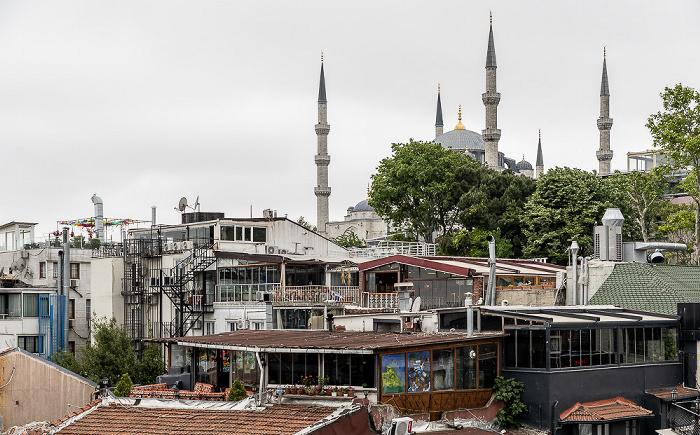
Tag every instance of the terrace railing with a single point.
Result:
(380, 300)
(385, 249)
(317, 294)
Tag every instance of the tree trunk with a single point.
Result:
(697, 232)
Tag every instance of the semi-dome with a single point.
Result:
(362, 206)
(461, 140)
(523, 165)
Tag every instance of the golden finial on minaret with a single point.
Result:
(490, 19)
(459, 125)
(603, 52)
(540, 132)
(368, 191)
(438, 88)
(321, 56)
(523, 157)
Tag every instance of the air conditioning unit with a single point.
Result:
(401, 426)
(71, 323)
(74, 283)
(178, 246)
(188, 244)
(262, 296)
(155, 281)
(167, 280)
(196, 324)
(282, 251)
(169, 246)
(271, 249)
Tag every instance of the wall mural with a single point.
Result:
(394, 373)
(419, 371)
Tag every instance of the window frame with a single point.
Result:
(75, 271)
(42, 270)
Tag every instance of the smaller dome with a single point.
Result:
(363, 206)
(523, 165)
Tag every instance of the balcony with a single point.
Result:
(316, 294)
(381, 301)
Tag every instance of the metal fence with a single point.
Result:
(684, 417)
(385, 249)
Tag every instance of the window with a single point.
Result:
(603, 429)
(259, 234)
(585, 429)
(232, 326)
(210, 328)
(257, 325)
(71, 347)
(55, 270)
(71, 308)
(631, 427)
(88, 308)
(75, 271)
(30, 343)
(10, 305)
(30, 305)
(443, 370)
(42, 269)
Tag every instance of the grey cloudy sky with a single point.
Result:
(143, 102)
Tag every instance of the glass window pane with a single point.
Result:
(312, 364)
(443, 369)
(522, 348)
(466, 368)
(247, 236)
(539, 348)
(488, 365)
(394, 373)
(585, 358)
(510, 349)
(30, 307)
(260, 234)
(670, 349)
(418, 371)
(239, 233)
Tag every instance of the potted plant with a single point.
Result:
(288, 389)
(293, 389)
(345, 392)
(334, 391)
(351, 392)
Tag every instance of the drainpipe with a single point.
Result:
(59, 292)
(584, 278)
(470, 315)
(262, 377)
(491, 289)
(574, 267)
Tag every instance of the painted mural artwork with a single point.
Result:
(394, 373)
(418, 371)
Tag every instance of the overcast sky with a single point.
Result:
(143, 102)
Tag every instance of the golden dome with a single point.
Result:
(459, 125)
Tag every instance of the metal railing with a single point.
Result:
(318, 294)
(684, 417)
(380, 300)
(385, 249)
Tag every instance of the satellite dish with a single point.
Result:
(196, 204)
(182, 204)
(416, 305)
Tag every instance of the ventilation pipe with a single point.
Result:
(584, 280)
(99, 217)
(573, 249)
(153, 216)
(491, 289)
(66, 284)
(470, 314)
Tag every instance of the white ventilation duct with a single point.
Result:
(99, 217)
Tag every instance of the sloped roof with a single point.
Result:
(124, 419)
(681, 392)
(618, 408)
(650, 287)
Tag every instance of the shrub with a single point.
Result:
(123, 386)
(237, 392)
(508, 391)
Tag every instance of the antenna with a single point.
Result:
(196, 204)
(182, 204)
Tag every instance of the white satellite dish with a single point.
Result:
(182, 205)
(416, 305)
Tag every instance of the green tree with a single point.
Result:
(237, 392)
(123, 386)
(509, 391)
(151, 365)
(564, 207)
(490, 201)
(676, 131)
(413, 189)
(301, 221)
(473, 243)
(678, 226)
(644, 195)
(349, 238)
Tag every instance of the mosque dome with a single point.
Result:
(362, 206)
(523, 165)
(461, 140)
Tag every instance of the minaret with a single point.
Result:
(459, 125)
(539, 164)
(438, 117)
(322, 159)
(491, 98)
(605, 122)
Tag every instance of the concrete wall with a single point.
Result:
(598, 272)
(38, 390)
(107, 300)
(528, 297)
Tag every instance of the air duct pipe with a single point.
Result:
(66, 284)
(584, 280)
(99, 217)
(573, 249)
(491, 289)
(645, 246)
(470, 314)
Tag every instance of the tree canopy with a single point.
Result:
(564, 207)
(112, 355)
(676, 132)
(413, 189)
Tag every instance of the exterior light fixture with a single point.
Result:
(674, 394)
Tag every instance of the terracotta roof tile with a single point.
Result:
(604, 410)
(121, 419)
(665, 393)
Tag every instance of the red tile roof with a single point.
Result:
(604, 410)
(122, 419)
(665, 393)
(364, 342)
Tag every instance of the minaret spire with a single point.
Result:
(491, 134)
(459, 125)
(438, 116)
(322, 159)
(604, 154)
(539, 164)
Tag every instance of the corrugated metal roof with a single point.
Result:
(320, 341)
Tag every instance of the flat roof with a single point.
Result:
(320, 341)
(579, 315)
(468, 266)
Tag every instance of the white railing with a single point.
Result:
(317, 294)
(385, 249)
(380, 300)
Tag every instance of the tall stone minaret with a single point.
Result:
(605, 123)
(539, 164)
(491, 98)
(322, 159)
(438, 116)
